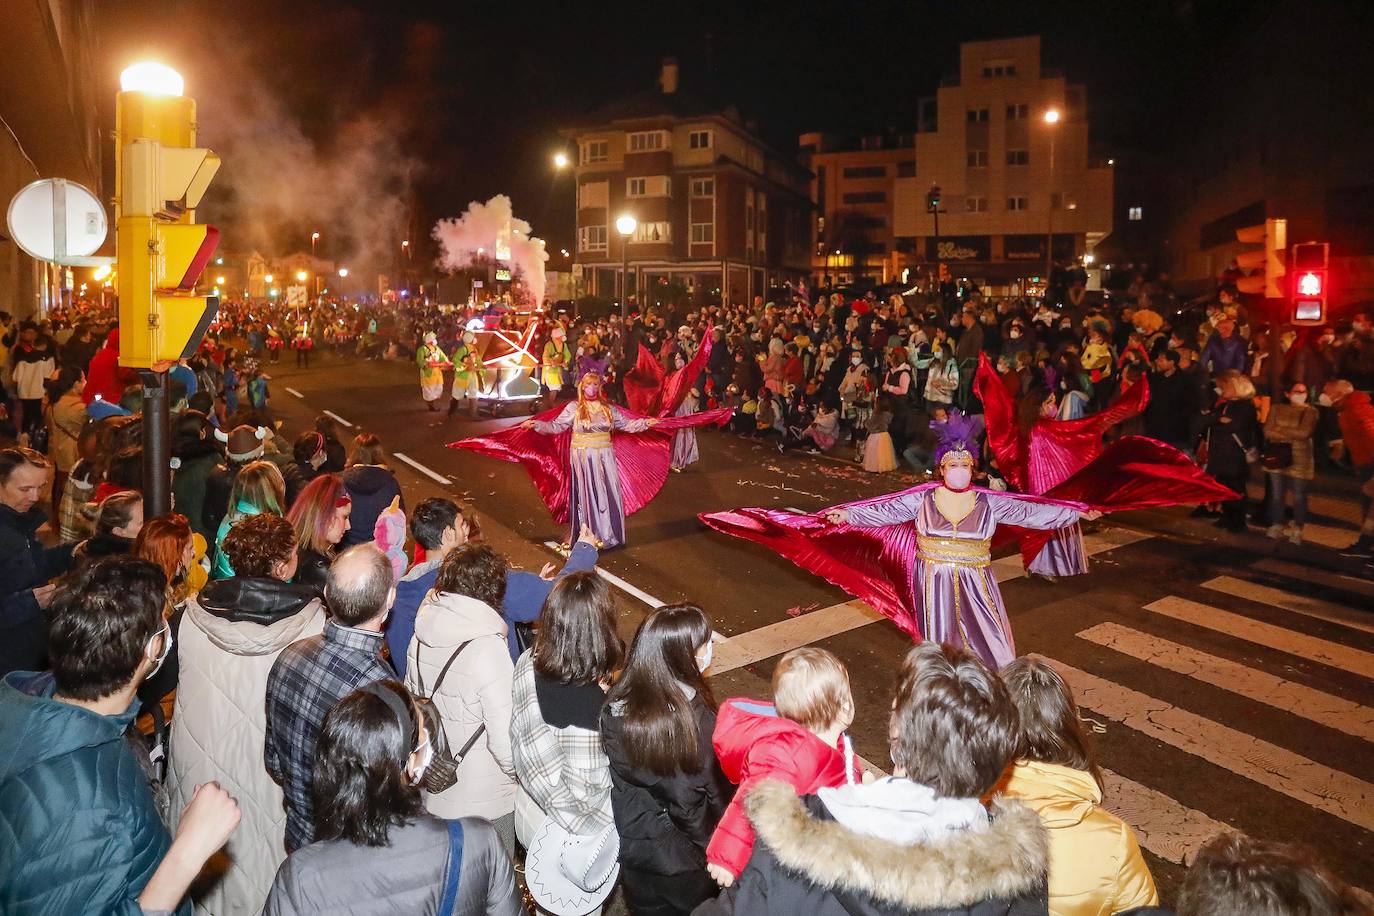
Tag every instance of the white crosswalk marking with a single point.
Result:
(1335, 580)
(1291, 774)
(777, 638)
(1302, 604)
(1260, 686)
(1265, 634)
(1100, 541)
(1170, 830)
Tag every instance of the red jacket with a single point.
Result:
(1356, 416)
(105, 376)
(754, 743)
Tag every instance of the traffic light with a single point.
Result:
(161, 177)
(1265, 266)
(1310, 274)
(933, 199)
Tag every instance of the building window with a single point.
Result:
(645, 141)
(865, 197)
(1018, 112)
(703, 187)
(977, 158)
(906, 169)
(591, 238)
(978, 116)
(976, 204)
(999, 68)
(592, 194)
(1134, 214)
(1061, 201)
(1018, 157)
(635, 187)
(866, 171)
(595, 151)
(1018, 203)
(699, 139)
(703, 233)
(651, 233)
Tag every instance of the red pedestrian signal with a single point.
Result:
(1309, 262)
(1310, 284)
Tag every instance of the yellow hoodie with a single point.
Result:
(1095, 863)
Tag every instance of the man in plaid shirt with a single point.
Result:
(313, 674)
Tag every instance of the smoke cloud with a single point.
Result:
(493, 228)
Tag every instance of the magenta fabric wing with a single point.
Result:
(644, 384)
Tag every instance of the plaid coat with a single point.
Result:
(564, 770)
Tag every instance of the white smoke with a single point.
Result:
(492, 227)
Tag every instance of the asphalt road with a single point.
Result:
(1228, 682)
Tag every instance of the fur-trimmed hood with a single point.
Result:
(1007, 860)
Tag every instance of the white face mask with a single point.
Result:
(1324, 400)
(958, 476)
(1015, 334)
(704, 661)
(855, 360)
(426, 755)
(166, 632)
(1298, 397)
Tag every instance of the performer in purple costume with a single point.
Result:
(685, 450)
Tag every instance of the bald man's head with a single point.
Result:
(361, 586)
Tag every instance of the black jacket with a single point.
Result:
(25, 564)
(1173, 405)
(1227, 441)
(665, 822)
(312, 570)
(249, 598)
(806, 863)
(372, 489)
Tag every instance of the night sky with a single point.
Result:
(463, 100)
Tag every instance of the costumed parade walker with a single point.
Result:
(921, 557)
(593, 463)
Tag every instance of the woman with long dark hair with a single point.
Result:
(667, 790)
(376, 852)
(1095, 862)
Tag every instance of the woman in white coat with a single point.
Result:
(459, 621)
(230, 635)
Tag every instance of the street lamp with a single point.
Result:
(151, 78)
(1051, 119)
(300, 276)
(625, 224)
(560, 160)
(343, 272)
(219, 281)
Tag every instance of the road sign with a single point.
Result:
(296, 296)
(60, 221)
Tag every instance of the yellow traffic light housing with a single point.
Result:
(1265, 266)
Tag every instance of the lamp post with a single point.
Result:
(561, 161)
(625, 225)
(1051, 119)
(315, 237)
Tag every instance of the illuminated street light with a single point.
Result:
(267, 278)
(314, 236)
(219, 281)
(1052, 116)
(301, 275)
(343, 271)
(625, 224)
(560, 160)
(151, 78)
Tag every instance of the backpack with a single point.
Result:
(442, 772)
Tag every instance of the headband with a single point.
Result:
(404, 717)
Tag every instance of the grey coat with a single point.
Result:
(406, 877)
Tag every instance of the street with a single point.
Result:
(1226, 682)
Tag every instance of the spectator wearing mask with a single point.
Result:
(197, 452)
(1232, 431)
(168, 543)
(83, 831)
(439, 526)
(320, 517)
(1225, 349)
(229, 638)
(309, 453)
(1095, 862)
(335, 454)
(377, 852)
(26, 566)
(313, 674)
(667, 790)
(458, 658)
(1173, 403)
(920, 841)
(1288, 459)
(372, 486)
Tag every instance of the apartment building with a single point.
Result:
(718, 210)
(1010, 180)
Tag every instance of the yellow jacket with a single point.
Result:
(1095, 863)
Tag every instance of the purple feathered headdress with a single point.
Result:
(958, 434)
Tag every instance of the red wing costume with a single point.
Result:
(1065, 459)
(652, 392)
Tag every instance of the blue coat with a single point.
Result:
(82, 834)
(525, 594)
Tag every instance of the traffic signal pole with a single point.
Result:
(157, 452)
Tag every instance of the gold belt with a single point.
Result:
(591, 440)
(954, 551)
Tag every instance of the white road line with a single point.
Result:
(1275, 597)
(1291, 774)
(1169, 829)
(1100, 541)
(615, 580)
(432, 475)
(1265, 634)
(777, 638)
(330, 413)
(294, 392)
(1334, 580)
(1300, 700)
